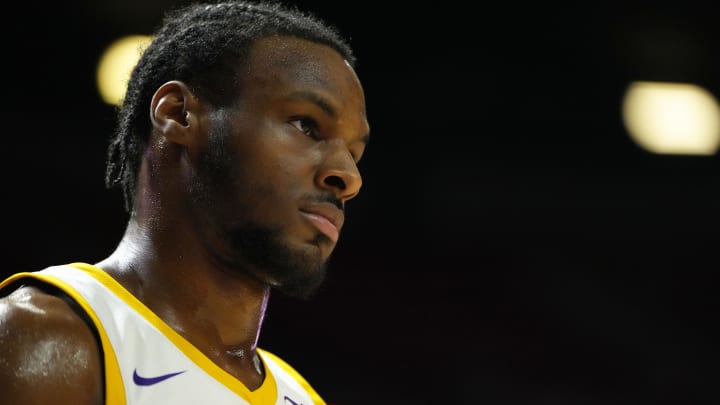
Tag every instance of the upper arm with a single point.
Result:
(48, 354)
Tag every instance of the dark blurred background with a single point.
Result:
(512, 244)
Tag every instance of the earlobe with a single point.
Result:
(171, 111)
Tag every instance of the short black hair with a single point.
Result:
(203, 45)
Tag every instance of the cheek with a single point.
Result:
(282, 164)
(270, 171)
(259, 190)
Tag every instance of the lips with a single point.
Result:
(326, 219)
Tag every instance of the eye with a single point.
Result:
(305, 125)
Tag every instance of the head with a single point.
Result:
(264, 104)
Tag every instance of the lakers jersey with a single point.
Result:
(147, 362)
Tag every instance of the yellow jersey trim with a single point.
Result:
(293, 373)
(265, 394)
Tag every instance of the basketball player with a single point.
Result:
(236, 149)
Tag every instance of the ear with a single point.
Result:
(174, 112)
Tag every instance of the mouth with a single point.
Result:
(327, 221)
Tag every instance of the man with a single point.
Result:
(236, 149)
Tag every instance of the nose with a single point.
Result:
(339, 172)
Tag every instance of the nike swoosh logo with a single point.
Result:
(145, 381)
(287, 399)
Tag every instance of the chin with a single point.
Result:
(303, 287)
(297, 270)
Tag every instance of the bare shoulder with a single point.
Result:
(48, 354)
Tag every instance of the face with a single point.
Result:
(270, 186)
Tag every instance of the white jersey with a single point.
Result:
(147, 362)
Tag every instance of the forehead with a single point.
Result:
(276, 62)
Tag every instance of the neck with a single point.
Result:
(219, 310)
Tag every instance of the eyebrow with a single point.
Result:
(316, 99)
(322, 103)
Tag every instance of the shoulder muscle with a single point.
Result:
(48, 354)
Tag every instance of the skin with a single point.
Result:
(273, 164)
